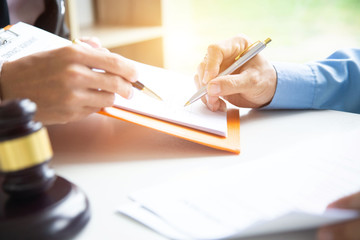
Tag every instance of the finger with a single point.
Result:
(92, 44)
(213, 103)
(350, 202)
(231, 84)
(103, 49)
(98, 99)
(89, 98)
(222, 55)
(197, 81)
(91, 110)
(209, 105)
(85, 78)
(344, 231)
(204, 100)
(109, 62)
(80, 114)
(222, 107)
(200, 73)
(92, 41)
(84, 112)
(219, 105)
(212, 63)
(112, 83)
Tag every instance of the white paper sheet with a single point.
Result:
(175, 89)
(283, 192)
(24, 39)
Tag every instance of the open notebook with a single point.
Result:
(195, 123)
(175, 89)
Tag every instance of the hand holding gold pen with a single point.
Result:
(244, 57)
(138, 85)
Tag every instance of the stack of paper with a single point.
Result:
(283, 192)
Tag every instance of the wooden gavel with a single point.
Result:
(35, 203)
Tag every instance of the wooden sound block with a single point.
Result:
(58, 213)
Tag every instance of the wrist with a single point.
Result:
(271, 78)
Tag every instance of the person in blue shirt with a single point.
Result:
(331, 83)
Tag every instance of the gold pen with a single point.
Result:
(250, 52)
(147, 91)
(138, 85)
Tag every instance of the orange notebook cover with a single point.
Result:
(231, 143)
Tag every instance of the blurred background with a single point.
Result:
(301, 30)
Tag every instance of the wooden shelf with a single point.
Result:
(132, 28)
(115, 36)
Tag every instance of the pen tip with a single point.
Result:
(151, 93)
(157, 96)
(187, 103)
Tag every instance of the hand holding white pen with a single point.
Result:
(250, 85)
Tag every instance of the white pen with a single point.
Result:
(237, 64)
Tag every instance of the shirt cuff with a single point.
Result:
(295, 87)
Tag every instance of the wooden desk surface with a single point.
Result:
(133, 157)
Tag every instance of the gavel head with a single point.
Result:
(25, 150)
(35, 203)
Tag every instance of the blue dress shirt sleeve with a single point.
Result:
(332, 83)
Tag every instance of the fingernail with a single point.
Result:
(214, 89)
(205, 78)
(131, 94)
(207, 102)
(325, 234)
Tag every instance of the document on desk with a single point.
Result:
(282, 192)
(174, 88)
(22, 39)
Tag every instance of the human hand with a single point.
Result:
(343, 231)
(63, 84)
(93, 42)
(252, 85)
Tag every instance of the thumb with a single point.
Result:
(230, 84)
